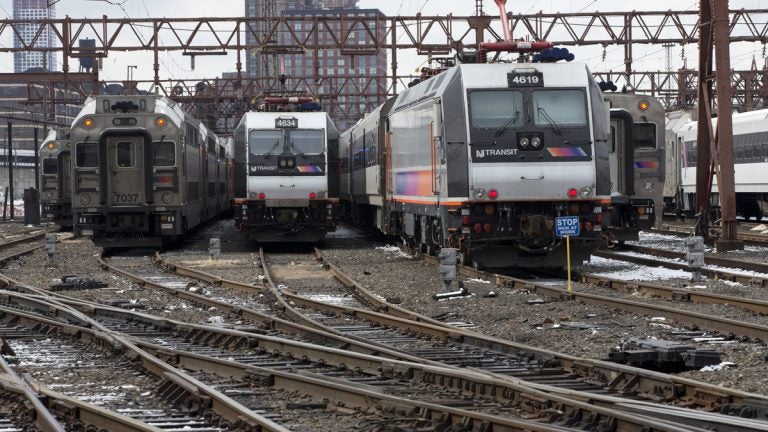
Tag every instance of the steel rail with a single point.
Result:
(748, 238)
(649, 384)
(757, 280)
(708, 258)
(11, 382)
(481, 385)
(222, 405)
(22, 240)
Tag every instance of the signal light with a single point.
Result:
(51, 145)
(487, 228)
(641, 210)
(465, 220)
(88, 123)
(262, 196)
(312, 195)
(493, 194)
(160, 121)
(643, 105)
(478, 228)
(572, 193)
(490, 209)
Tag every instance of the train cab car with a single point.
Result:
(56, 178)
(286, 180)
(141, 171)
(637, 155)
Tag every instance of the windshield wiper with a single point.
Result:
(300, 153)
(506, 124)
(271, 149)
(555, 127)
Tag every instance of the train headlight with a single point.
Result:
(291, 163)
(167, 197)
(648, 186)
(51, 145)
(643, 105)
(161, 122)
(524, 142)
(479, 193)
(283, 163)
(536, 142)
(88, 123)
(586, 192)
(49, 194)
(85, 199)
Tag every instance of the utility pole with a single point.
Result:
(704, 135)
(726, 183)
(9, 158)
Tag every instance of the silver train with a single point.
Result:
(286, 184)
(56, 177)
(482, 158)
(637, 155)
(750, 144)
(145, 171)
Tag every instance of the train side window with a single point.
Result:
(50, 166)
(645, 135)
(87, 155)
(164, 153)
(125, 154)
(612, 140)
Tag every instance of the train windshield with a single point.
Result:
(645, 135)
(164, 153)
(50, 166)
(265, 141)
(559, 108)
(87, 155)
(496, 108)
(307, 141)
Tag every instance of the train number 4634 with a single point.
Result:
(124, 198)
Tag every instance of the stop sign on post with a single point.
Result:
(567, 226)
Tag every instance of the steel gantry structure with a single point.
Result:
(426, 35)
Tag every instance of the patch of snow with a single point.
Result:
(622, 270)
(483, 281)
(717, 367)
(216, 320)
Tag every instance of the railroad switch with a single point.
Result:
(214, 248)
(448, 259)
(694, 256)
(662, 354)
(50, 245)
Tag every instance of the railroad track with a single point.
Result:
(236, 364)
(598, 372)
(461, 380)
(760, 280)
(688, 230)
(709, 259)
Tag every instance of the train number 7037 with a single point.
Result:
(124, 198)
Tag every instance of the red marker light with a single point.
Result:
(493, 194)
(573, 193)
(312, 195)
(478, 228)
(487, 228)
(465, 220)
(262, 196)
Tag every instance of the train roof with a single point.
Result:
(154, 104)
(493, 75)
(307, 120)
(743, 123)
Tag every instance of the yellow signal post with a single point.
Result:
(568, 258)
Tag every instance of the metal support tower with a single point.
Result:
(726, 183)
(704, 135)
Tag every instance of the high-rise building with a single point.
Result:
(33, 11)
(347, 93)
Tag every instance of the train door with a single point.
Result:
(126, 170)
(65, 168)
(619, 162)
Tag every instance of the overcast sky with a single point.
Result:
(174, 65)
